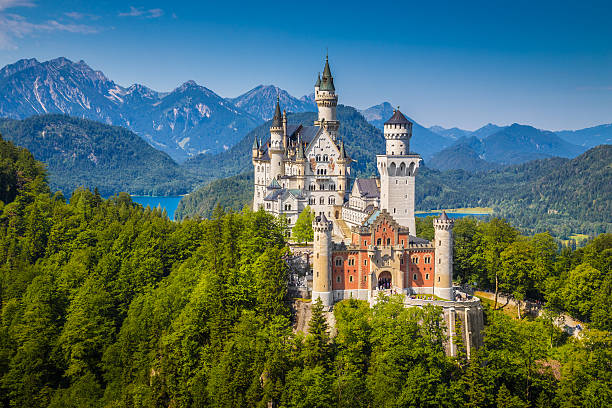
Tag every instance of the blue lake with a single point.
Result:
(169, 203)
(450, 214)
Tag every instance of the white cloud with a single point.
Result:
(13, 26)
(75, 15)
(141, 12)
(6, 4)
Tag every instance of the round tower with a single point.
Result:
(397, 131)
(321, 265)
(443, 279)
(277, 148)
(327, 101)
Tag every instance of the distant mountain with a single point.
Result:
(189, 120)
(81, 152)
(486, 131)
(424, 141)
(511, 145)
(261, 101)
(588, 137)
(452, 133)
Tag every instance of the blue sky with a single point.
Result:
(456, 63)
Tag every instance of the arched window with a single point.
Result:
(378, 241)
(331, 200)
(322, 200)
(388, 241)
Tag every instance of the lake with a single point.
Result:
(169, 203)
(451, 214)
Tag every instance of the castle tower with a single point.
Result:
(327, 101)
(343, 165)
(277, 143)
(397, 169)
(443, 278)
(321, 265)
(300, 160)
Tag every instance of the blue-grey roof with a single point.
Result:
(368, 187)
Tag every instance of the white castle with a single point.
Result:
(308, 165)
(364, 241)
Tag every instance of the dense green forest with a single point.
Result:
(81, 152)
(107, 304)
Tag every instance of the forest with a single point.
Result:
(108, 304)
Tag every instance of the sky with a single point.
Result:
(458, 63)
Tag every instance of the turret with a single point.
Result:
(443, 236)
(321, 266)
(300, 160)
(277, 148)
(318, 83)
(285, 129)
(343, 168)
(255, 149)
(398, 131)
(327, 100)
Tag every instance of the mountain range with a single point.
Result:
(189, 120)
(260, 102)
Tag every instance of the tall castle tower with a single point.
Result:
(397, 169)
(277, 144)
(327, 101)
(321, 265)
(443, 278)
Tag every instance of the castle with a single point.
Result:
(365, 241)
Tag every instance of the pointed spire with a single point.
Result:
(327, 82)
(255, 144)
(318, 83)
(278, 118)
(443, 216)
(300, 149)
(342, 151)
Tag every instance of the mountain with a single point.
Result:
(189, 120)
(423, 141)
(510, 145)
(261, 101)
(452, 133)
(360, 138)
(80, 152)
(486, 131)
(589, 137)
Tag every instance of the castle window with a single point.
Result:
(322, 200)
(338, 278)
(415, 259)
(365, 261)
(351, 261)
(365, 243)
(378, 241)
(440, 242)
(332, 200)
(388, 241)
(440, 260)
(350, 278)
(427, 259)
(438, 279)
(414, 277)
(427, 276)
(401, 260)
(396, 181)
(338, 261)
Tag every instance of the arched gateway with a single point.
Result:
(384, 280)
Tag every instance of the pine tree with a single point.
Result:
(316, 350)
(302, 230)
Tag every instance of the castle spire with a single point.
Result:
(318, 83)
(327, 82)
(277, 121)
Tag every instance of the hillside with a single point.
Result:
(186, 121)
(81, 152)
(557, 194)
(589, 137)
(261, 101)
(510, 145)
(360, 137)
(233, 192)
